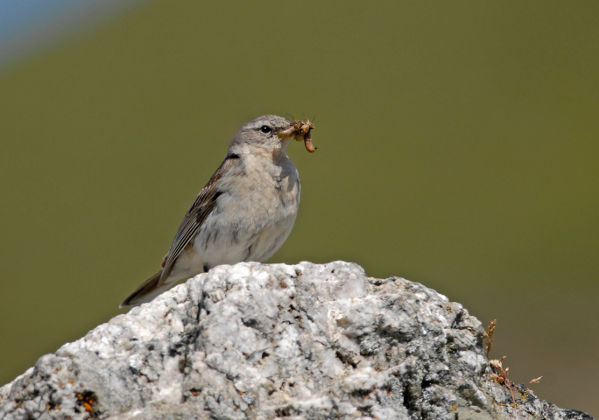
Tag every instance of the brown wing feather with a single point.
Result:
(147, 287)
(195, 216)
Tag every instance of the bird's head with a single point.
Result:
(268, 134)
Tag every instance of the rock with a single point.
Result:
(264, 341)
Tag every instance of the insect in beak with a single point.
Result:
(300, 130)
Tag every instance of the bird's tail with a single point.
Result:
(144, 293)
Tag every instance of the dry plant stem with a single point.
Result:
(500, 373)
(501, 378)
(535, 380)
(489, 336)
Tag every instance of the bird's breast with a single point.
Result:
(264, 192)
(253, 215)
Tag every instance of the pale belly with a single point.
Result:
(235, 245)
(240, 230)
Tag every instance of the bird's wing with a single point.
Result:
(195, 216)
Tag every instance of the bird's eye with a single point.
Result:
(265, 129)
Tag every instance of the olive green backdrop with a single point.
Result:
(458, 146)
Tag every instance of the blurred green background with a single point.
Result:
(458, 146)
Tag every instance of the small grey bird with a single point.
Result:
(244, 213)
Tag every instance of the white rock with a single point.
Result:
(263, 341)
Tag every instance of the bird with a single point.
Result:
(245, 212)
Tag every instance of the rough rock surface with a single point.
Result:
(277, 341)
